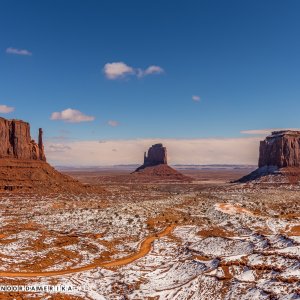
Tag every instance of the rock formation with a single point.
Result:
(16, 141)
(279, 154)
(41, 146)
(281, 149)
(155, 165)
(157, 154)
(23, 162)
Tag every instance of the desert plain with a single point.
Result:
(206, 238)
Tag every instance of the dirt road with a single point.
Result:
(144, 249)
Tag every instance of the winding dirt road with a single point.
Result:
(144, 249)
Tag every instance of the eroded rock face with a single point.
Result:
(155, 167)
(281, 149)
(23, 165)
(157, 154)
(16, 141)
(41, 146)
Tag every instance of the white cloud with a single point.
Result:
(180, 151)
(116, 70)
(149, 71)
(154, 70)
(72, 116)
(4, 109)
(16, 51)
(265, 131)
(196, 98)
(113, 123)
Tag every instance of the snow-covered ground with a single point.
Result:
(232, 242)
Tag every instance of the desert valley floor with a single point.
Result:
(205, 239)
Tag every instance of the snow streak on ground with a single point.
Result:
(230, 242)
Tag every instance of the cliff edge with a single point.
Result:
(23, 163)
(279, 159)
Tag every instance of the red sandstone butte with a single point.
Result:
(23, 163)
(279, 159)
(281, 149)
(16, 141)
(155, 166)
(157, 154)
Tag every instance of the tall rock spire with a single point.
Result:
(41, 146)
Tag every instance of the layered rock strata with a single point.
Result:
(157, 154)
(281, 149)
(16, 141)
(279, 159)
(23, 163)
(155, 166)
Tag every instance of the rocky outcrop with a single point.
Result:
(23, 165)
(157, 154)
(41, 146)
(281, 149)
(155, 167)
(16, 141)
(279, 159)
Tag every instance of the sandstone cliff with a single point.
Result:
(23, 163)
(16, 141)
(281, 149)
(279, 159)
(157, 154)
(155, 167)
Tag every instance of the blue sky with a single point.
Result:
(241, 58)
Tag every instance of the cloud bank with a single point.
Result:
(180, 151)
(117, 70)
(4, 109)
(55, 148)
(71, 116)
(265, 131)
(16, 51)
